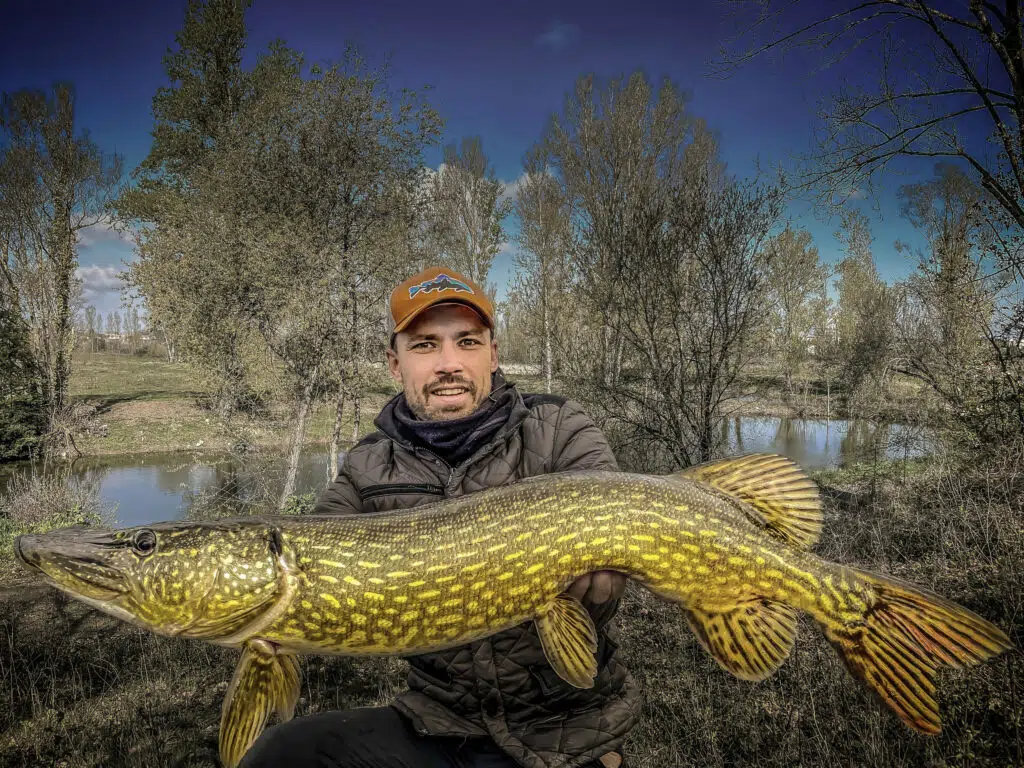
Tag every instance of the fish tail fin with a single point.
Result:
(906, 634)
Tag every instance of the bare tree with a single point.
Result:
(958, 332)
(466, 212)
(796, 282)
(615, 148)
(543, 261)
(54, 182)
(965, 66)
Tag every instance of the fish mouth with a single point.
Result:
(70, 560)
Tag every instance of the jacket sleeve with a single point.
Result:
(579, 444)
(341, 496)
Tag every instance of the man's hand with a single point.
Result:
(598, 587)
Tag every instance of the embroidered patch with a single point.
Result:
(440, 283)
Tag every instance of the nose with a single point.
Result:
(448, 361)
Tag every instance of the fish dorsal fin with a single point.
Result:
(264, 682)
(785, 499)
(751, 641)
(569, 639)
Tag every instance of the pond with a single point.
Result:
(147, 488)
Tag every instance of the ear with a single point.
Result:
(393, 367)
(494, 353)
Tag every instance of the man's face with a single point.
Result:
(444, 361)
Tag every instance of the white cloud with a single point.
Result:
(99, 281)
(558, 36)
(102, 231)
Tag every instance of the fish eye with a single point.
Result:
(144, 542)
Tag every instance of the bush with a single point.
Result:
(39, 502)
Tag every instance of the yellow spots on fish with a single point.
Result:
(193, 553)
(826, 602)
(524, 536)
(307, 605)
(520, 590)
(703, 570)
(439, 567)
(759, 560)
(505, 576)
(474, 567)
(651, 557)
(358, 619)
(566, 537)
(708, 533)
(533, 568)
(401, 598)
(565, 559)
(481, 539)
(669, 539)
(359, 636)
(328, 578)
(331, 563)
(642, 537)
(443, 579)
(515, 555)
(476, 621)
(497, 547)
(541, 548)
(537, 516)
(548, 531)
(353, 581)
(454, 603)
(327, 597)
(443, 621)
(773, 573)
(476, 586)
(418, 583)
(428, 594)
(367, 564)
(374, 596)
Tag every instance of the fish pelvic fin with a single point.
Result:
(264, 682)
(785, 500)
(906, 634)
(569, 639)
(751, 641)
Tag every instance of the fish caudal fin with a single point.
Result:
(263, 682)
(906, 635)
(751, 641)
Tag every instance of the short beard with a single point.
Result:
(419, 406)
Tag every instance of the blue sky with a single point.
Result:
(495, 70)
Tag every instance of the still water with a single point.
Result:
(147, 488)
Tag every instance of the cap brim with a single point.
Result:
(405, 322)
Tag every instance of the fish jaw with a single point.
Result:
(206, 582)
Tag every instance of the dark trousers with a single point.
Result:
(374, 737)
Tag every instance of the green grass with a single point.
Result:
(115, 378)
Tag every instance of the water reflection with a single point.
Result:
(152, 487)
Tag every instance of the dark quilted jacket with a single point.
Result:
(501, 686)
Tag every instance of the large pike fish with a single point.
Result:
(728, 540)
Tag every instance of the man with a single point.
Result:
(458, 427)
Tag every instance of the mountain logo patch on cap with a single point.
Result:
(440, 283)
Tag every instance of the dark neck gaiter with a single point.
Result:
(455, 440)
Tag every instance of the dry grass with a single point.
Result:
(79, 689)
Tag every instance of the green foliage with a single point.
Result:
(299, 504)
(22, 408)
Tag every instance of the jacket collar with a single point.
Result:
(500, 387)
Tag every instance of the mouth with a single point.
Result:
(79, 573)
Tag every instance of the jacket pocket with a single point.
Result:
(392, 489)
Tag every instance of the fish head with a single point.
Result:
(194, 580)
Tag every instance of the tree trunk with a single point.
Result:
(339, 411)
(297, 439)
(64, 253)
(546, 321)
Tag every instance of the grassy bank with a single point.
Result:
(144, 405)
(78, 689)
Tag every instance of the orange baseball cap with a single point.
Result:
(433, 286)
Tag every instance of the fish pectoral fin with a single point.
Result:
(569, 639)
(784, 499)
(264, 682)
(751, 641)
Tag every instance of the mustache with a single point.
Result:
(452, 381)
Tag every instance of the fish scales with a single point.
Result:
(421, 580)
(728, 540)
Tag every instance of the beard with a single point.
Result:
(441, 411)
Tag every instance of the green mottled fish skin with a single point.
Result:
(445, 574)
